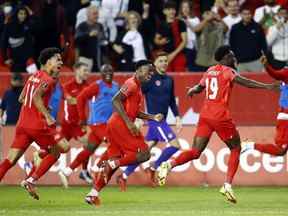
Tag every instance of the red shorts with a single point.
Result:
(98, 133)
(44, 138)
(71, 130)
(226, 130)
(281, 137)
(122, 141)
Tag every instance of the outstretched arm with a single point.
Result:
(195, 90)
(147, 116)
(243, 81)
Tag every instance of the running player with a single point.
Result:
(215, 116)
(159, 95)
(99, 94)
(127, 145)
(35, 123)
(280, 146)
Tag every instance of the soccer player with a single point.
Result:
(35, 123)
(215, 116)
(99, 94)
(127, 145)
(280, 146)
(159, 95)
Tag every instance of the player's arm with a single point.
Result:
(22, 95)
(117, 102)
(195, 90)
(39, 104)
(243, 81)
(85, 95)
(146, 116)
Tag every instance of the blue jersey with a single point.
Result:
(283, 100)
(100, 106)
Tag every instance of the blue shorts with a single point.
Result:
(159, 132)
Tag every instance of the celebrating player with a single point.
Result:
(35, 122)
(127, 145)
(215, 116)
(99, 94)
(159, 94)
(281, 139)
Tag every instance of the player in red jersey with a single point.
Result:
(35, 122)
(280, 146)
(98, 95)
(215, 116)
(127, 145)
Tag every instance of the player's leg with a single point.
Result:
(225, 131)
(278, 148)
(17, 149)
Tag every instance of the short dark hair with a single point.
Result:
(140, 63)
(159, 54)
(221, 52)
(106, 67)
(79, 64)
(48, 53)
(170, 4)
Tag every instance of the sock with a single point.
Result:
(130, 169)
(81, 157)
(233, 163)
(85, 164)
(269, 149)
(128, 159)
(4, 167)
(32, 170)
(44, 166)
(99, 183)
(186, 156)
(166, 154)
(93, 192)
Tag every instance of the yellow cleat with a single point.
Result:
(164, 170)
(227, 191)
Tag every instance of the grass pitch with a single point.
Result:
(144, 201)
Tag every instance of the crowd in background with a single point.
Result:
(121, 32)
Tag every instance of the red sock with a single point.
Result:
(85, 164)
(233, 164)
(81, 157)
(128, 159)
(270, 149)
(99, 183)
(44, 166)
(4, 167)
(186, 156)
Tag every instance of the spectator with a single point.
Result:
(10, 104)
(54, 29)
(90, 39)
(212, 30)
(247, 40)
(171, 36)
(232, 18)
(265, 15)
(192, 23)
(18, 40)
(82, 13)
(277, 39)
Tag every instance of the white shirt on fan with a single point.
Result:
(259, 12)
(191, 36)
(134, 39)
(229, 22)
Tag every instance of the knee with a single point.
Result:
(143, 156)
(63, 146)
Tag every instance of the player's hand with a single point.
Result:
(133, 128)
(158, 117)
(178, 124)
(264, 60)
(50, 120)
(274, 86)
(189, 92)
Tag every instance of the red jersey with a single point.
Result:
(73, 89)
(30, 117)
(218, 82)
(134, 98)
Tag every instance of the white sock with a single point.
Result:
(251, 145)
(124, 176)
(30, 180)
(227, 185)
(93, 192)
(112, 164)
(67, 171)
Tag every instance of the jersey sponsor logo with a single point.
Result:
(157, 82)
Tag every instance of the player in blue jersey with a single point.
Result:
(281, 139)
(159, 95)
(98, 95)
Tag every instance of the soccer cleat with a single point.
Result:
(30, 188)
(246, 145)
(164, 170)
(151, 175)
(122, 183)
(63, 178)
(85, 176)
(227, 191)
(93, 200)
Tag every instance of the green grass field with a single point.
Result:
(143, 201)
